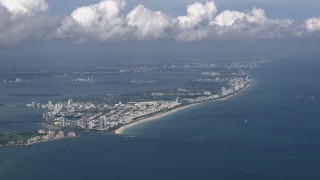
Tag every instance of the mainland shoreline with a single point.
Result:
(121, 129)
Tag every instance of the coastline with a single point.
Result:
(120, 130)
(156, 117)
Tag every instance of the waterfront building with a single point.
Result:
(71, 134)
(101, 123)
(62, 122)
(223, 91)
(60, 134)
(83, 122)
(90, 125)
(51, 132)
(42, 131)
(73, 124)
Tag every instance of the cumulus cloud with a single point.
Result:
(251, 24)
(235, 25)
(108, 20)
(147, 24)
(25, 7)
(197, 13)
(228, 18)
(22, 19)
(101, 21)
(312, 24)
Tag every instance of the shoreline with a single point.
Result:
(152, 118)
(121, 129)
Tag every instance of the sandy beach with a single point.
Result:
(162, 115)
(158, 116)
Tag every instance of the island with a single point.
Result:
(116, 112)
(113, 113)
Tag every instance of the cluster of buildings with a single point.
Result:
(235, 85)
(41, 136)
(17, 80)
(50, 106)
(87, 80)
(100, 116)
(92, 115)
(47, 135)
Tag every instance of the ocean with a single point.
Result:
(271, 131)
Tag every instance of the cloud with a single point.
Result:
(106, 21)
(101, 21)
(235, 25)
(109, 20)
(228, 18)
(147, 24)
(312, 24)
(25, 7)
(23, 19)
(197, 13)
(251, 24)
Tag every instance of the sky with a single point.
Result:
(298, 10)
(150, 26)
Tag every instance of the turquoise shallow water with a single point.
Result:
(270, 131)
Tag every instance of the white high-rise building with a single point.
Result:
(90, 125)
(50, 105)
(101, 123)
(223, 91)
(70, 102)
(62, 122)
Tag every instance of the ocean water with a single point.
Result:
(270, 131)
